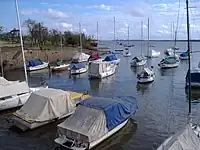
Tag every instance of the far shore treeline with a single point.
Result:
(41, 36)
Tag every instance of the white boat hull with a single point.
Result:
(127, 54)
(146, 80)
(78, 71)
(105, 74)
(24, 125)
(39, 67)
(16, 101)
(165, 66)
(60, 68)
(61, 140)
(137, 64)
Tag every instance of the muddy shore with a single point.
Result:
(12, 56)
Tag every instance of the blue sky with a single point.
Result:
(66, 15)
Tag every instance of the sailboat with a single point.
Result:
(80, 67)
(188, 138)
(147, 75)
(126, 52)
(112, 57)
(60, 65)
(171, 61)
(140, 60)
(151, 53)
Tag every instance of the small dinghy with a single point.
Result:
(14, 93)
(126, 53)
(101, 69)
(43, 107)
(138, 61)
(78, 68)
(112, 58)
(146, 76)
(195, 78)
(36, 64)
(184, 56)
(185, 139)
(60, 66)
(169, 62)
(95, 120)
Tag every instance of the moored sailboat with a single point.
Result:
(140, 60)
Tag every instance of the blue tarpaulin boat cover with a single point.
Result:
(195, 76)
(184, 54)
(77, 66)
(32, 63)
(110, 58)
(116, 110)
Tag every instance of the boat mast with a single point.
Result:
(128, 35)
(148, 38)
(97, 35)
(141, 36)
(114, 35)
(189, 63)
(61, 48)
(2, 73)
(80, 37)
(21, 40)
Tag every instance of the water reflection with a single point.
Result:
(195, 94)
(167, 72)
(100, 84)
(143, 87)
(123, 136)
(137, 70)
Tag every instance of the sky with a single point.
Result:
(66, 15)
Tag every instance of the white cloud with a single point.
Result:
(102, 7)
(164, 26)
(129, 13)
(84, 30)
(30, 11)
(56, 14)
(145, 26)
(64, 26)
(50, 4)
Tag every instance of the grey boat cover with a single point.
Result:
(80, 57)
(14, 88)
(46, 104)
(183, 140)
(88, 126)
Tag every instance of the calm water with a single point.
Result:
(163, 105)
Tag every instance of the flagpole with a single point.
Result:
(21, 40)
